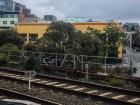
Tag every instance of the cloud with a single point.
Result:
(96, 9)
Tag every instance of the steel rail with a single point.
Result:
(22, 96)
(82, 84)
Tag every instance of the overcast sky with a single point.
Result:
(97, 9)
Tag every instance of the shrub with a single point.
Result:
(33, 63)
(30, 47)
(3, 59)
(9, 46)
(116, 82)
(137, 83)
(10, 36)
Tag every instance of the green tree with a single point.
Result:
(60, 36)
(64, 38)
(30, 47)
(88, 43)
(10, 36)
(111, 40)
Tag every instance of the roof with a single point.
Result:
(1, 12)
(79, 23)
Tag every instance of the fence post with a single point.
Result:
(56, 59)
(105, 65)
(87, 71)
(82, 62)
(74, 62)
(29, 80)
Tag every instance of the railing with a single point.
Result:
(67, 60)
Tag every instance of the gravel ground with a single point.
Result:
(51, 95)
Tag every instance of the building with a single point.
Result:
(10, 13)
(24, 13)
(6, 5)
(18, 7)
(10, 6)
(132, 27)
(8, 20)
(75, 20)
(50, 18)
(40, 28)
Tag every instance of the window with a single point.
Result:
(12, 16)
(5, 16)
(1, 3)
(4, 22)
(12, 22)
(33, 37)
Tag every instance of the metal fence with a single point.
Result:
(68, 60)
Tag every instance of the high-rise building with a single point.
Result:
(6, 5)
(17, 7)
(49, 18)
(10, 6)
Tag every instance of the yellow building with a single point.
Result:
(33, 31)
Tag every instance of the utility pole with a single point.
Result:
(130, 55)
(130, 49)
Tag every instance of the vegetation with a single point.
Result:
(9, 46)
(62, 37)
(137, 83)
(3, 60)
(33, 63)
(116, 82)
(30, 47)
(9, 36)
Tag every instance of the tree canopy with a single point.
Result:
(10, 36)
(113, 40)
(61, 37)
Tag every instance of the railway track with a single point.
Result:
(96, 91)
(92, 73)
(22, 96)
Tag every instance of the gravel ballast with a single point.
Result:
(44, 93)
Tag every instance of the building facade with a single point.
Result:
(40, 28)
(10, 6)
(10, 13)
(6, 5)
(24, 13)
(8, 20)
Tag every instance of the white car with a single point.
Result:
(16, 102)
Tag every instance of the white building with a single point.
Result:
(8, 20)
